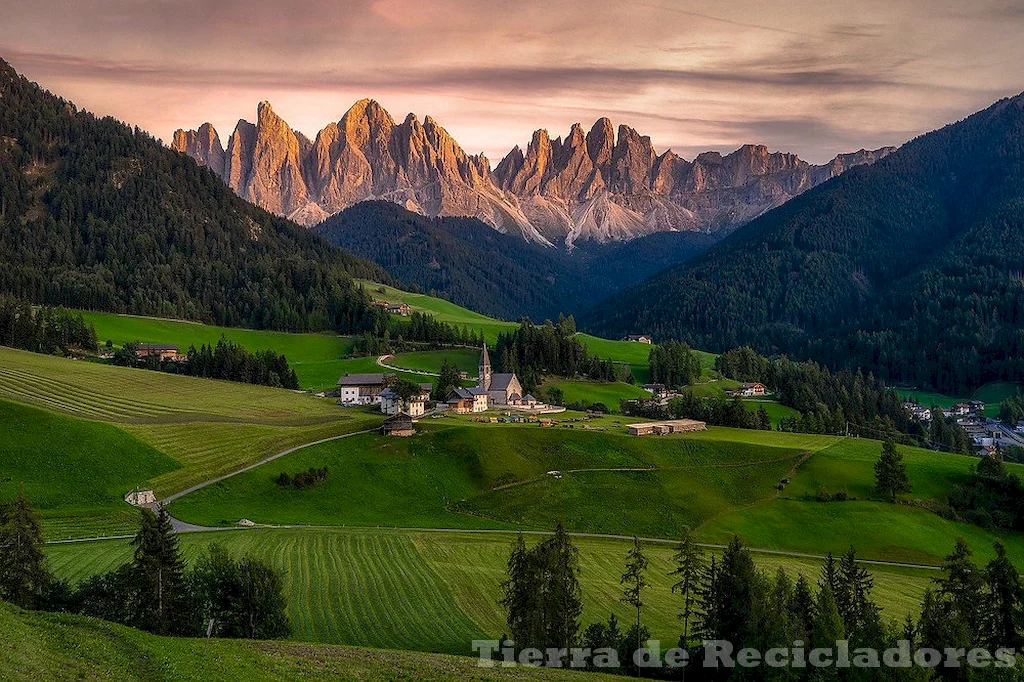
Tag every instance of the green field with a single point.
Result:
(203, 428)
(608, 393)
(313, 356)
(776, 411)
(51, 646)
(466, 359)
(443, 311)
(437, 591)
(48, 456)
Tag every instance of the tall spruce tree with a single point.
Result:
(24, 575)
(519, 596)
(1004, 618)
(634, 582)
(890, 472)
(165, 602)
(690, 566)
(560, 567)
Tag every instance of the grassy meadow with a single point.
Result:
(315, 357)
(434, 591)
(162, 430)
(51, 646)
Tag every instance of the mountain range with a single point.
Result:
(912, 267)
(600, 185)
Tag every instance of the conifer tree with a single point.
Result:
(160, 571)
(689, 571)
(1004, 617)
(635, 582)
(564, 601)
(890, 472)
(519, 596)
(23, 569)
(801, 609)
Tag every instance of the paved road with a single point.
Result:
(184, 527)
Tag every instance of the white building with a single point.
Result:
(391, 404)
(360, 389)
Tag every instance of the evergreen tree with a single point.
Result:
(519, 596)
(961, 585)
(890, 472)
(164, 597)
(1004, 619)
(828, 628)
(564, 601)
(854, 598)
(448, 379)
(801, 609)
(24, 575)
(689, 571)
(635, 582)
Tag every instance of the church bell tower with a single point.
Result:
(484, 375)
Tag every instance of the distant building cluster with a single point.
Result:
(639, 338)
(402, 309)
(967, 409)
(492, 390)
(163, 351)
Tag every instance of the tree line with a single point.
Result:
(726, 597)
(674, 364)
(838, 402)
(532, 351)
(43, 329)
(227, 360)
(155, 591)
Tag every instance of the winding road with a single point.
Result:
(185, 527)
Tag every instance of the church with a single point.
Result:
(502, 389)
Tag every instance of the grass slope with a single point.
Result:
(315, 357)
(49, 456)
(438, 591)
(46, 646)
(457, 474)
(206, 427)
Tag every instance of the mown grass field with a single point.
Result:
(73, 469)
(455, 474)
(438, 591)
(50, 646)
(314, 357)
(203, 428)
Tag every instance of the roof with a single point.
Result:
(387, 394)
(361, 379)
(515, 396)
(461, 393)
(476, 390)
(157, 346)
(427, 387)
(500, 382)
(529, 398)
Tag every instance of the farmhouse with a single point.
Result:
(164, 351)
(402, 309)
(467, 400)
(391, 404)
(667, 427)
(639, 338)
(752, 390)
(400, 424)
(360, 389)
(140, 497)
(657, 390)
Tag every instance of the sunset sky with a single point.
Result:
(812, 77)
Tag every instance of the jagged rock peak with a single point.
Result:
(603, 184)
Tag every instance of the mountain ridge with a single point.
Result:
(601, 185)
(909, 267)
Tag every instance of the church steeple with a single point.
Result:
(484, 376)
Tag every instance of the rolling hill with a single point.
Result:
(101, 216)
(909, 267)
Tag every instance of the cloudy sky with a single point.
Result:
(814, 77)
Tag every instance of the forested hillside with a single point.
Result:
(471, 264)
(911, 267)
(94, 214)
